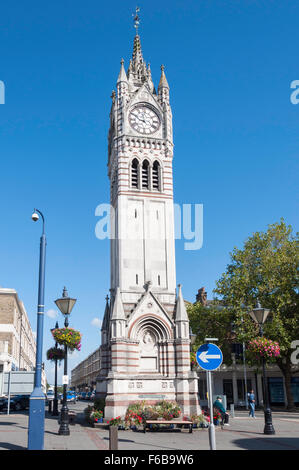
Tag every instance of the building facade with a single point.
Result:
(84, 375)
(17, 342)
(145, 348)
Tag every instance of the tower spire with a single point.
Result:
(137, 72)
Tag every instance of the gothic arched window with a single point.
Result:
(156, 175)
(134, 173)
(145, 174)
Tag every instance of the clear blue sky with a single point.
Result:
(229, 65)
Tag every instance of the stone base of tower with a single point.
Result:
(120, 392)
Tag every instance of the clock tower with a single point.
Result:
(145, 348)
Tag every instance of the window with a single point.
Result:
(156, 176)
(145, 170)
(134, 173)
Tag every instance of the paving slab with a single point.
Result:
(244, 433)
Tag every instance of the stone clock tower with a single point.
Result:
(145, 331)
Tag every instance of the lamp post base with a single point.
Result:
(268, 429)
(36, 425)
(64, 423)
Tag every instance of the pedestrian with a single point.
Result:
(251, 402)
(224, 414)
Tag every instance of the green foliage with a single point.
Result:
(265, 269)
(99, 404)
(213, 321)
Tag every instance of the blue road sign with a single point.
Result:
(209, 356)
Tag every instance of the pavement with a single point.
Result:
(244, 433)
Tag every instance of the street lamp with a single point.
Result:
(65, 305)
(36, 425)
(192, 338)
(259, 316)
(55, 401)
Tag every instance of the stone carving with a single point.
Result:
(148, 342)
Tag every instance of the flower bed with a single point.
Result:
(68, 337)
(261, 347)
(137, 413)
(118, 421)
(94, 413)
(199, 421)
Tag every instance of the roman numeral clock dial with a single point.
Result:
(144, 120)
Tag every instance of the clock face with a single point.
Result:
(144, 120)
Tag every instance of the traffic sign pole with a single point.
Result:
(209, 357)
(212, 437)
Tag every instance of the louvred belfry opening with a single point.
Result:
(156, 169)
(145, 174)
(134, 174)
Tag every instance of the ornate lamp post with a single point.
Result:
(55, 401)
(259, 316)
(65, 305)
(36, 426)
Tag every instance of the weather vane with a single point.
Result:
(136, 19)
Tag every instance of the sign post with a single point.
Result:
(209, 357)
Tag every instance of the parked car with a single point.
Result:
(17, 403)
(50, 395)
(2, 401)
(70, 397)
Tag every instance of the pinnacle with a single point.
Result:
(163, 82)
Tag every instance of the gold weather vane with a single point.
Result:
(136, 19)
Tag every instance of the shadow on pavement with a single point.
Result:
(268, 443)
(119, 440)
(7, 423)
(6, 445)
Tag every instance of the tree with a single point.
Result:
(212, 321)
(266, 269)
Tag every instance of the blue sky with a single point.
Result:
(229, 65)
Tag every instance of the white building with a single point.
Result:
(145, 350)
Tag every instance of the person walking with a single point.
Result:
(251, 402)
(224, 414)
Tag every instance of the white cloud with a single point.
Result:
(96, 322)
(52, 313)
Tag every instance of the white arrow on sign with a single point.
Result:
(204, 356)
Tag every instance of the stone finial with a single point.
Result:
(122, 77)
(180, 311)
(118, 308)
(163, 82)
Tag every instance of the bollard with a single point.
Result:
(113, 437)
(232, 410)
(50, 406)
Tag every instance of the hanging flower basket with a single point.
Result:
(193, 361)
(263, 348)
(68, 337)
(55, 354)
